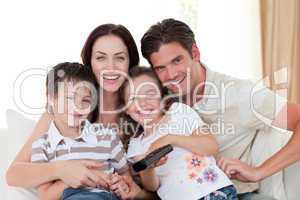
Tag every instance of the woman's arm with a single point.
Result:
(199, 143)
(52, 190)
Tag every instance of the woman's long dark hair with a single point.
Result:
(111, 29)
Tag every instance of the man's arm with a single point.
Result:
(288, 118)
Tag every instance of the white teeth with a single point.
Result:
(175, 82)
(111, 77)
(146, 112)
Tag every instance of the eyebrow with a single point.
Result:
(172, 60)
(85, 96)
(118, 53)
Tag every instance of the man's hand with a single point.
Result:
(236, 169)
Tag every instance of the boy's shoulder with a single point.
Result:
(42, 141)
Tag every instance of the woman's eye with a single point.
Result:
(120, 58)
(100, 58)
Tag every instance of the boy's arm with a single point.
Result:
(52, 190)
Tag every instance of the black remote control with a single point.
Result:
(151, 158)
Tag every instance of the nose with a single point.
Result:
(171, 72)
(142, 102)
(110, 65)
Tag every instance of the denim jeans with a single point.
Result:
(254, 196)
(83, 194)
(226, 193)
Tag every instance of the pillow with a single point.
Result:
(19, 129)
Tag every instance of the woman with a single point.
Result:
(110, 50)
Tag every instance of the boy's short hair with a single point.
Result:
(72, 71)
(68, 71)
(164, 32)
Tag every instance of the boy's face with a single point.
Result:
(72, 104)
(175, 67)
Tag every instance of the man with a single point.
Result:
(231, 107)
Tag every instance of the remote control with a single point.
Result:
(151, 158)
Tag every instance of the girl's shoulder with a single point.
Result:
(179, 110)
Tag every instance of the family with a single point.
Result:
(109, 112)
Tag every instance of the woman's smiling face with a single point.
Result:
(110, 62)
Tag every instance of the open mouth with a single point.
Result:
(76, 115)
(175, 82)
(111, 77)
(146, 111)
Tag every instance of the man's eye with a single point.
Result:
(177, 60)
(158, 69)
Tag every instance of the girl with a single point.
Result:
(190, 171)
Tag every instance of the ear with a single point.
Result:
(195, 52)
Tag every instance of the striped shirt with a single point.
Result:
(94, 143)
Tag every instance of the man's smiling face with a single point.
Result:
(174, 66)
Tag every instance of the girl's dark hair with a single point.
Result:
(130, 127)
(110, 29)
(164, 32)
(71, 71)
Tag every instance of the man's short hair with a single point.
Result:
(164, 32)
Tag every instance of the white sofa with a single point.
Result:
(283, 185)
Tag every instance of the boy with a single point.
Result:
(71, 136)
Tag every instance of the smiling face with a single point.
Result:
(110, 62)
(174, 65)
(144, 100)
(72, 103)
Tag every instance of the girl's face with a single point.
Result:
(110, 62)
(143, 99)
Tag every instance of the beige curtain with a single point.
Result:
(280, 23)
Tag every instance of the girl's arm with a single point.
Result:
(203, 144)
(149, 179)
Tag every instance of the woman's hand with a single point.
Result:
(236, 169)
(77, 173)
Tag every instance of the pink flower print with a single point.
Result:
(195, 162)
(210, 175)
(192, 175)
